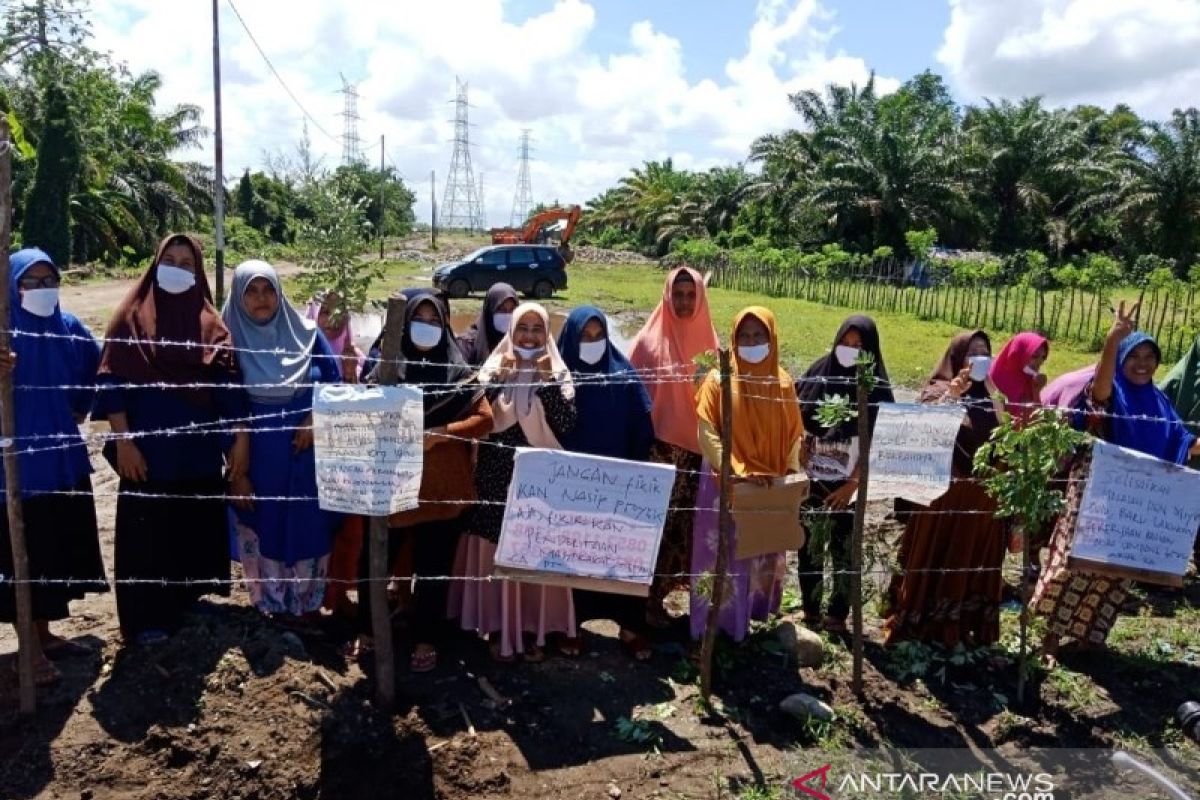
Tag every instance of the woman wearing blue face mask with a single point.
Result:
(615, 408)
(936, 598)
(168, 366)
(60, 530)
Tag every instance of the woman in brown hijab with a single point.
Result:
(937, 598)
(167, 367)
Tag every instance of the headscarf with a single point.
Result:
(517, 402)
(826, 378)
(478, 342)
(980, 419)
(445, 376)
(610, 400)
(1008, 374)
(1065, 390)
(662, 353)
(288, 333)
(1182, 386)
(345, 334)
(148, 316)
(52, 359)
(766, 416)
(1160, 432)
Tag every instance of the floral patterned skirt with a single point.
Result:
(675, 552)
(276, 587)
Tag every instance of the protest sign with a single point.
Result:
(584, 521)
(1137, 518)
(768, 517)
(368, 442)
(912, 448)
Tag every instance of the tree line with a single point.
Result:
(863, 169)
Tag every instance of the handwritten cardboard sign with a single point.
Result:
(768, 518)
(368, 442)
(1138, 516)
(584, 521)
(912, 448)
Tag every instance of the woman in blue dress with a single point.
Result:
(283, 545)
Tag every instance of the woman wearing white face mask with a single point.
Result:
(168, 363)
(533, 405)
(478, 341)
(831, 463)
(60, 530)
(766, 440)
(457, 415)
(614, 412)
(937, 599)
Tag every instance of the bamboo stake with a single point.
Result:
(860, 520)
(724, 524)
(379, 569)
(12, 471)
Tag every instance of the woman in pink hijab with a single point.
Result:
(338, 333)
(1017, 373)
(663, 353)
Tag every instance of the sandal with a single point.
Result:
(498, 657)
(57, 647)
(636, 646)
(356, 648)
(570, 646)
(425, 661)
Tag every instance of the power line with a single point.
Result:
(279, 77)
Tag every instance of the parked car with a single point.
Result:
(536, 270)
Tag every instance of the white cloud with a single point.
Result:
(593, 114)
(1072, 51)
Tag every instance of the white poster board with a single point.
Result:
(584, 521)
(1138, 515)
(369, 447)
(912, 449)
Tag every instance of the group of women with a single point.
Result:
(211, 415)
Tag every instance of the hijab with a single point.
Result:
(1008, 374)
(980, 419)
(608, 394)
(827, 378)
(288, 335)
(766, 417)
(481, 338)
(663, 352)
(149, 316)
(1143, 418)
(449, 390)
(517, 402)
(1065, 390)
(52, 359)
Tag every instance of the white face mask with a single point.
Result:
(529, 353)
(754, 354)
(592, 352)
(1030, 371)
(500, 322)
(424, 335)
(979, 366)
(846, 356)
(39, 302)
(174, 280)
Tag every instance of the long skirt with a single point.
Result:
(956, 605)
(277, 587)
(754, 587)
(507, 608)
(63, 545)
(675, 552)
(1081, 605)
(343, 561)
(178, 538)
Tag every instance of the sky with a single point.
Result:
(604, 85)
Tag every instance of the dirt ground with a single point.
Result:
(235, 706)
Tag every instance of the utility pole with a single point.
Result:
(219, 159)
(382, 194)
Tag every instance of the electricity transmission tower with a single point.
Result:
(523, 198)
(460, 203)
(352, 152)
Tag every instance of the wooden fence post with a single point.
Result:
(860, 521)
(724, 524)
(8, 429)
(379, 569)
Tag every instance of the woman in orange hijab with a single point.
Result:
(766, 437)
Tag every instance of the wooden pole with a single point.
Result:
(218, 161)
(379, 569)
(1023, 667)
(382, 187)
(860, 521)
(8, 428)
(724, 525)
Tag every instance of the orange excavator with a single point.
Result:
(543, 227)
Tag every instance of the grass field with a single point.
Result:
(911, 346)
